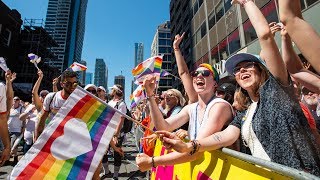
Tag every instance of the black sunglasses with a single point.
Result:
(204, 73)
(69, 84)
(92, 91)
(246, 66)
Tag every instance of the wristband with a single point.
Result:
(152, 161)
(148, 97)
(176, 49)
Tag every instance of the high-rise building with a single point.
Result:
(138, 53)
(100, 73)
(82, 74)
(65, 22)
(161, 45)
(121, 81)
(180, 19)
(89, 78)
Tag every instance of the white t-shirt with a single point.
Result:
(3, 98)
(55, 105)
(14, 123)
(122, 106)
(30, 127)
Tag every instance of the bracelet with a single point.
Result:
(195, 146)
(148, 97)
(176, 49)
(152, 161)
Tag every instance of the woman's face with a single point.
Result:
(202, 80)
(247, 75)
(171, 98)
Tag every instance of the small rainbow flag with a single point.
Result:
(149, 66)
(77, 67)
(137, 96)
(74, 142)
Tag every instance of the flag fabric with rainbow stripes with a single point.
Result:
(149, 66)
(77, 67)
(74, 142)
(137, 96)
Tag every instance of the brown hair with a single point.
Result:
(242, 96)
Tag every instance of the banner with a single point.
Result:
(74, 142)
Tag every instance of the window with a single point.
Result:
(212, 20)
(203, 30)
(234, 41)
(195, 7)
(303, 6)
(227, 5)
(200, 3)
(310, 2)
(223, 49)
(198, 36)
(219, 11)
(162, 35)
(215, 54)
(162, 42)
(270, 12)
(249, 32)
(7, 36)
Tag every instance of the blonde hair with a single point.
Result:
(242, 96)
(178, 94)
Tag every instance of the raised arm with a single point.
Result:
(35, 91)
(268, 45)
(10, 77)
(304, 36)
(160, 123)
(294, 64)
(55, 84)
(183, 70)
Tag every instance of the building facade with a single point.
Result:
(219, 30)
(89, 76)
(121, 81)
(65, 21)
(161, 45)
(180, 18)
(100, 73)
(138, 53)
(82, 74)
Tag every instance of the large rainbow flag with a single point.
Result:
(149, 66)
(74, 142)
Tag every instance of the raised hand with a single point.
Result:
(177, 40)
(149, 84)
(55, 81)
(40, 73)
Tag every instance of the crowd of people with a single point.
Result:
(271, 110)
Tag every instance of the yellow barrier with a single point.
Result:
(212, 165)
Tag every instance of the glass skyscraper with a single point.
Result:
(65, 22)
(100, 72)
(138, 53)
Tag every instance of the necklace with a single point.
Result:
(200, 122)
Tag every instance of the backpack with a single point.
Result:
(127, 124)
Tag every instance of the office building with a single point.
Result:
(82, 74)
(180, 19)
(138, 53)
(65, 21)
(100, 73)
(121, 81)
(89, 76)
(161, 45)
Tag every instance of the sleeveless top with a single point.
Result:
(194, 125)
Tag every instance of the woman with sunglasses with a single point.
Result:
(271, 123)
(207, 116)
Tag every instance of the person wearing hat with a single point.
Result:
(91, 88)
(271, 123)
(101, 91)
(226, 91)
(206, 116)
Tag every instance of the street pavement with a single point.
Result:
(128, 168)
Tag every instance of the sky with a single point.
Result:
(112, 28)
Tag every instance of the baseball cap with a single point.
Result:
(241, 57)
(227, 88)
(117, 87)
(102, 88)
(89, 86)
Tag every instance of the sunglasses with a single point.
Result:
(245, 66)
(92, 91)
(69, 84)
(204, 73)
(16, 99)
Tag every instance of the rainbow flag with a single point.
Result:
(74, 142)
(77, 67)
(137, 96)
(149, 66)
